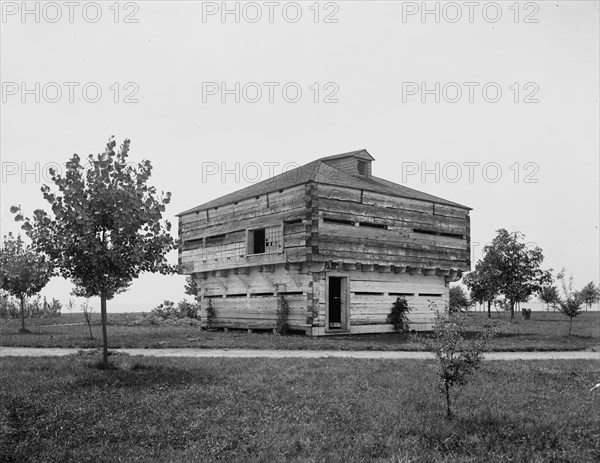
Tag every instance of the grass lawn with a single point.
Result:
(545, 331)
(270, 410)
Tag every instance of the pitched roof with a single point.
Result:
(321, 172)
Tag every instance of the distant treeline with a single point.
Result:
(37, 307)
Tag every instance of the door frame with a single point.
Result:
(345, 302)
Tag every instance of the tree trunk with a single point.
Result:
(570, 324)
(23, 330)
(448, 409)
(88, 319)
(512, 309)
(104, 334)
(489, 309)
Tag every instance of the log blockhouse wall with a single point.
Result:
(381, 245)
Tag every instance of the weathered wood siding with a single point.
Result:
(249, 300)
(372, 295)
(256, 312)
(360, 226)
(216, 239)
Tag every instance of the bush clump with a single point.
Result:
(169, 313)
(399, 315)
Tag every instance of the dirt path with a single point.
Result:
(249, 353)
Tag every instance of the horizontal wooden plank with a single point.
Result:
(367, 247)
(450, 211)
(392, 238)
(373, 199)
(386, 259)
(387, 216)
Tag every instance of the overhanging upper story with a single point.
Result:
(332, 209)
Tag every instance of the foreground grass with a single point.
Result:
(328, 410)
(545, 331)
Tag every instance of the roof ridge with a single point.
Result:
(317, 172)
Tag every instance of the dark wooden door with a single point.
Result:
(335, 303)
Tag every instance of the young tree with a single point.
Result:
(23, 272)
(105, 227)
(517, 268)
(459, 300)
(570, 304)
(549, 295)
(483, 283)
(458, 358)
(590, 294)
(87, 314)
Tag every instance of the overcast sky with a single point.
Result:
(493, 105)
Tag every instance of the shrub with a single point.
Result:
(210, 314)
(188, 309)
(399, 315)
(167, 313)
(283, 310)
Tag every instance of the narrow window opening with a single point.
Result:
(452, 235)
(434, 233)
(424, 232)
(215, 239)
(194, 240)
(373, 225)
(338, 221)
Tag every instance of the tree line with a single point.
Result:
(512, 270)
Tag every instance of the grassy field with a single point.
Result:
(327, 410)
(545, 331)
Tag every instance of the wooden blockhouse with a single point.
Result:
(336, 243)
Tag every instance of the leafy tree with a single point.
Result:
(105, 227)
(459, 300)
(457, 357)
(570, 304)
(590, 294)
(517, 268)
(483, 282)
(549, 295)
(191, 286)
(23, 271)
(399, 315)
